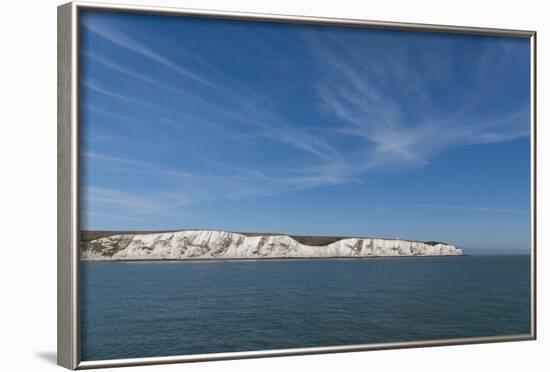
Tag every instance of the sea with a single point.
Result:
(149, 309)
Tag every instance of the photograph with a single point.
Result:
(250, 185)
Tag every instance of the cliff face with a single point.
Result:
(209, 244)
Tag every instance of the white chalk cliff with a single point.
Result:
(212, 244)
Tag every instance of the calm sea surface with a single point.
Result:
(143, 309)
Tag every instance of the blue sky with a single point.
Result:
(303, 129)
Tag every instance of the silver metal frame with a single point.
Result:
(68, 278)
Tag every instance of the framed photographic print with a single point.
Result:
(236, 185)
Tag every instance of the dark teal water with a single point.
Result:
(132, 309)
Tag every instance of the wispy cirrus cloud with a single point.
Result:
(133, 204)
(386, 103)
(353, 93)
(196, 186)
(266, 123)
(133, 165)
(140, 76)
(286, 179)
(113, 94)
(181, 188)
(116, 159)
(216, 79)
(163, 109)
(119, 38)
